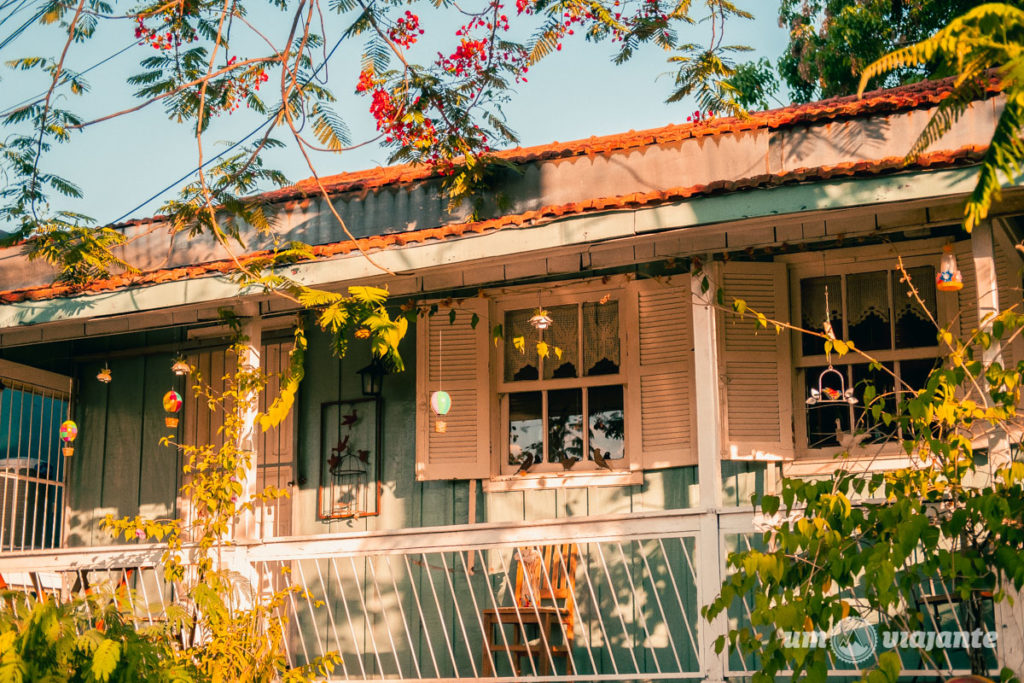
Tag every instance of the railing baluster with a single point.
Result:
(675, 588)
(600, 618)
(384, 613)
(423, 620)
(458, 613)
(657, 600)
(618, 609)
(366, 616)
(440, 615)
(476, 608)
(312, 612)
(330, 616)
(302, 637)
(348, 617)
(639, 610)
(519, 616)
(501, 625)
(578, 612)
(405, 621)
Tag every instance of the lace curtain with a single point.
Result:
(812, 301)
(867, 295)
(923, 278)
(600, 338)
(563, 333)
(517, 324)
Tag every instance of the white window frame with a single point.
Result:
(551, 296)
(846, 262)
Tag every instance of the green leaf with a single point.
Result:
(474, 320)
(451, 317)
(368, 295)
(105, 660)
(890, 664)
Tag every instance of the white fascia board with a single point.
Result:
(725, 208)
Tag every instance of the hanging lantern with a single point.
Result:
(440, 403)
(172, 404)
(541, 320)
(68, 434)
(104, 374)
(181, 367)
(948, 278)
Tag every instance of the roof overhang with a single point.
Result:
(680, 217)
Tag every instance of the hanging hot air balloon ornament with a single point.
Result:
(949, 278)
(440, 403)
(172, 404)
(68, 434)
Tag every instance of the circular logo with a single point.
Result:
(853, 640)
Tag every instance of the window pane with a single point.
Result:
(915, 372)
(601, 338)
(812, 313)
(564, 334)
(913, 328)
(824, 420)
(520, 365)
(525, 427)
(606, 421)
(565, 424)
(882, 381)
(867, 305)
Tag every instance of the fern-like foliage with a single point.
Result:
(984, 40)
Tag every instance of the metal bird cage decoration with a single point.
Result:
(831, 382)
(831, 390)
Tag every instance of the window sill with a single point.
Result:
(561, 480)
(858, 461)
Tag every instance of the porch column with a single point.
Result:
(249, 359)
(983, 254)
(709, 468)
(1009, 619)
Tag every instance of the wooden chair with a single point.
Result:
(541, 621)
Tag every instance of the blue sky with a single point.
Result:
(118, 164)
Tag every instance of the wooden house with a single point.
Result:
(435, 554)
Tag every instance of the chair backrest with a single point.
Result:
(547, 575)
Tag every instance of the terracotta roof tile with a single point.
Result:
(966, 155)
(915, 96)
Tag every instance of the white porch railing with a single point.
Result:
(474, 601)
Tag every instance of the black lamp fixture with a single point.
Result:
(373, 377)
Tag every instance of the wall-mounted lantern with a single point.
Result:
(373, 378)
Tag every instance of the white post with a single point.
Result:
(983, 254)
(1009, 615)
(709, 468)
(249, 359)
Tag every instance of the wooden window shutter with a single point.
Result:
(755, 362)
(1008, 279)
(968, 296)
(659, 404)
(461, 352)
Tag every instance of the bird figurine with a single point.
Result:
(600, 460)
(568, 462)
(526, 464)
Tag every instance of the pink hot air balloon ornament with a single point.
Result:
(68, 434)
(172, 404)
